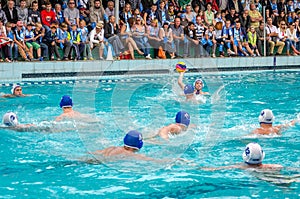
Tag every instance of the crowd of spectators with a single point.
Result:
(40, 30)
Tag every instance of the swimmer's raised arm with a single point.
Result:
(180, 80)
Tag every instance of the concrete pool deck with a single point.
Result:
(31, 71)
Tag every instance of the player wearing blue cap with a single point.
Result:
(66, 103)
(266, 119)
(182, 121)
(197, 86)
(16, 91)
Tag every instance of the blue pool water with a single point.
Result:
(51, 162)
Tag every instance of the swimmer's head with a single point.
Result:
(133, 139)
(10, 119)
(16, 90)
(253, 154)
(183, 118)
(188, 89)
(66, 101)
(198, 84)
(266, 117)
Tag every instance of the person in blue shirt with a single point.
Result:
(30, 41)
(85, 48)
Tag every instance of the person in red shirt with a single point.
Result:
(48, 16)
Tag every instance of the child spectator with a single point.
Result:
(63, 41)
(4, 41)
(19, 36)
(252, 39)
(211, 42)
(85, 48)
(50, 39)
(74, 38)
(39, 33)
(12, 44)
(30, 41)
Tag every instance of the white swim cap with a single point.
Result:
(266, 116)
(14, 87)
(10, 119)
(253, 154)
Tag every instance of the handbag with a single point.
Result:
(161, 53)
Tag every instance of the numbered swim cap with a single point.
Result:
(14, 88)
(66, 101)
(10, 119)
(253, 154)
(133, 139)
(188, 89)
(183, 118)
(266, 116)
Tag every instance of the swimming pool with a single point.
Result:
(49, 163)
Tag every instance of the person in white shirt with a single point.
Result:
(97, 38)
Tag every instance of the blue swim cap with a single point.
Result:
(188, 89)
(66, 101)
(183, 118)
(133, 139)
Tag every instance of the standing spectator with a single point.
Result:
(162, 14)
(209, 15)
(178, 35)
(34, 14)
(97, 39)
(150, 14)
(11, 13)
(139, 34)
(110, 10)
(39, 33)
(71, 14)
(153, 36)
(273, 39)
(85, 48)
(237, 5)
(22, 11)
(261, 35)
(255, 16)
(50, 39)
(111, 32)
(166, 36)
(97, 13)
(48, 16)
(125, 14)
(19, 36)
(2, 15)
(191, 40)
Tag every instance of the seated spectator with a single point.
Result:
(12, 45)
(30, 41)
(274, 7)
(19, 39)
(261, 35)
(63, 41)
(150, 14)
(125, 14)
(282, 17)
(162, 14)
(126, 37)
(71, 14)
(84, 14)
(59, 13)
(50, 39)
(245, 20)
(191, 40)
(47, 16)
(139, 34)
(166, 35)
(4, 41)
(273, 39)
(39, 33)
(252, 39)
(255, 16)
(97, 13)
(200, 30)
(289, 37)
(74, 38)
(239, 36)
(111, 31)
(227, 35)
(232, 16)
(237, 5)
(172, 13)
(136, 13)
(85, 48)
(97, 39)
(22, 12)
(190, 15)
(34, 14)
(110, 10)
(218, 37)
(178, 35)
(210, 41)
(153, 36)
(11, 13)
(2, 16)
